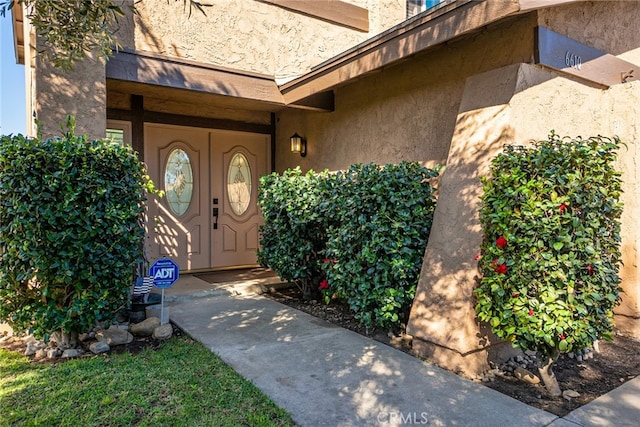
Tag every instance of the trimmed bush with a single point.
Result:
(382, 217)
(358, 235)
(71, 231)
(293, 236)
(551, 249)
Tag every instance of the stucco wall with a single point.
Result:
(249, 35)
(80, 92)
(406, 112)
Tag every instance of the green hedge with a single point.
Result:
(358, 235)
(551, 249)
(293, 236)
(70, 231)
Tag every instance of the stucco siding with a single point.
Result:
(80, 92)
(249, 35)
(405, 112)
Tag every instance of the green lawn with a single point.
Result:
(181, 384)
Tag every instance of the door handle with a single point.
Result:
(215, 218)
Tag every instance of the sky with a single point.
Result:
(12, 93)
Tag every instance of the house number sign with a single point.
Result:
(572, 60)
(569, 56)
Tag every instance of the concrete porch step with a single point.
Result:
(190, 287)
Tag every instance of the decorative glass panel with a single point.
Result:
(178, 181)
(239, 184)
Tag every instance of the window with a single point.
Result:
(119, 131)
(415, 7)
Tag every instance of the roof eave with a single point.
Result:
(413, 36)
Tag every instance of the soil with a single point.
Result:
(600, 372)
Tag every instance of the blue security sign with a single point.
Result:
(164, 272)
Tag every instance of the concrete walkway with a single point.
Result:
(328, 376)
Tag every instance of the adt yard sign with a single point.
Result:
(164, 272)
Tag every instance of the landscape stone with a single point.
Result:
(99, 347)
(114, 336)
(41, 354)
(33, 347)
(71, 352)
(146, 327)
(525, 375)
(163, 332)
(570, 394)
(53, 353)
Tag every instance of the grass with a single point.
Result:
(181, 384)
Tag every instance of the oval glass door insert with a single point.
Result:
(239, 184)
(178, 181)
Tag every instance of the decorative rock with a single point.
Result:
(71, 352)
(570, 394)
(114, 336)
(526, 376)
(41, 354)
(596, 346)
(53, 353)
(146, 327)
(99, 347)
(33, 347)
(163, 332)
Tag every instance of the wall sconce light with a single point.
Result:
(298, 145)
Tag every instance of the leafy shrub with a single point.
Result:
(70, 231)
(293, 236)
(382, 218)
(550, 254)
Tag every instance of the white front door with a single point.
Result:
(208, 217)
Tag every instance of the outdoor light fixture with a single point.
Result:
(298, 145)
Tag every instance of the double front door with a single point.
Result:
(208, 216)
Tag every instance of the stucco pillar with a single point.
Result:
(443, 321)
(514, 104)
(624, 109)
(80, 92)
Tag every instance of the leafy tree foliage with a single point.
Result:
(71, 231)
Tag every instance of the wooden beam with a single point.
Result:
(334, 11)
(192, 121)
(137, 125)
(273, 142)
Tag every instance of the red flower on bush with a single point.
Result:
(324, 285)
(476, 257)
(531, 312)
(590, 269)
(501, 242)
(561, 336)
(500, 268)
(515, 295)
(562, 208)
